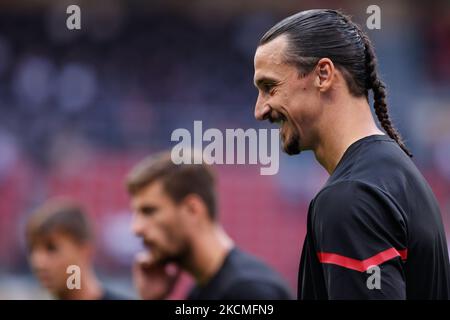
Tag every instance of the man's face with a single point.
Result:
(286, 96)
(160, 223)
(50, 255)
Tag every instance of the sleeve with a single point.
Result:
(360, 238)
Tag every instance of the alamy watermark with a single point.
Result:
(374, 280)
(74, 280)
(374, 20)
(73, 21)
(236, 146)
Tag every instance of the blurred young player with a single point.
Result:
(314, 71)
(59, 235)
(175, 214)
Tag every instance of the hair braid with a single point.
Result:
(379, 93)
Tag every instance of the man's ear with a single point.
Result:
(194, 205)
(324, 74)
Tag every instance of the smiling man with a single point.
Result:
(314, 71)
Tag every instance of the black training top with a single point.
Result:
(376, 209)
(242, 277)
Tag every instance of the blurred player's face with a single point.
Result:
(286, 96)
(161, 224)
(50, 256)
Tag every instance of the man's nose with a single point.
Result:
(38, 260)
(136, 225)
(261, 110)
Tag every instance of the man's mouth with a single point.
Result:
(277, 118)
(278, 121)
(147, 244)
(44, 278)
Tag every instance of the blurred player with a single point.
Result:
(59, 235)
(314, 71)
(175, 214)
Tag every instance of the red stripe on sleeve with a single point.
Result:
(361, 265)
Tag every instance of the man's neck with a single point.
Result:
(352, 123)
(209, 251)
(90, 289)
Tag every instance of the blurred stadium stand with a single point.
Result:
(79, 108)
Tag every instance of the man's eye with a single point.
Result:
(51, 247)
(269, 88)
(148, 211)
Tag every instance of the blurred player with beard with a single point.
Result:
(175, 214)
(314, 71)
(59, 235)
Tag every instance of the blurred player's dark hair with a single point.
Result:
(325, 33)
(62, 216)
(178, 180)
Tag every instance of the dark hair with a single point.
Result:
(59, 215)
(320, 33)
(179, 180)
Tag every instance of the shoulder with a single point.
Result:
(357, 219)
(351, 203)
(248, 266)
(346, 194)
(253, 279)
(341, 190)
(379, 159)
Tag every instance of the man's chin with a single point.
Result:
(157, 257)
(291, 147)
(48, 286)
(164, 259)
(46, 283)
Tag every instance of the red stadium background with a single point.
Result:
(79, 109)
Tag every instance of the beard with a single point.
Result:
(291, 143)
(161, 255)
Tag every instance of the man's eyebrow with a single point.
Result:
(143, 207)
(264, 80)
(148, 208)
